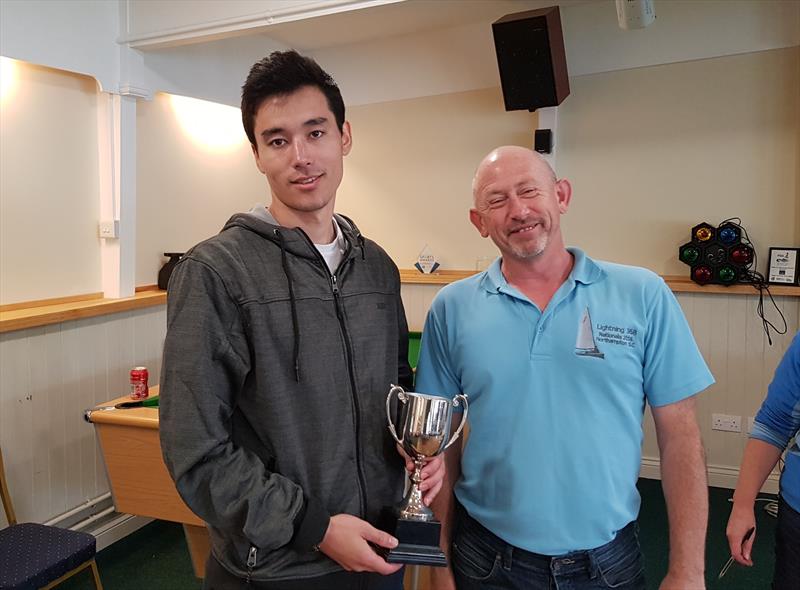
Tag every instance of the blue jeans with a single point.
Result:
(787, 548)
(481, 560)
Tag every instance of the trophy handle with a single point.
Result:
(401, 396)
(457, 433)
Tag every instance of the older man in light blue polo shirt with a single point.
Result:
(559, 354)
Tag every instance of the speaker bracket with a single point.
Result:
(547, 121)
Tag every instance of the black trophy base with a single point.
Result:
(419, 543)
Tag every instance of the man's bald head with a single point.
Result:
(506, 155)
(518, 202)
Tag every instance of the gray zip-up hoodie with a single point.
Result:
(273, 389)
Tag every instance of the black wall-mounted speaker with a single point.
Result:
(543, 141)
(531, 59)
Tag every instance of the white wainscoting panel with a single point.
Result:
(48, 376)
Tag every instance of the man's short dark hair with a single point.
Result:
(281, 73)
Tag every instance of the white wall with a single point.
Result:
(653, 151)
(80, 36)
(684, 30)
(49, 193)
(408, 178)
(187, 189)
(650, 152)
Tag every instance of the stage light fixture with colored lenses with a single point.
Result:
(717, 255)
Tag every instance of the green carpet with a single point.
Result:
(156, 557)
(153, 558)
(654, 538)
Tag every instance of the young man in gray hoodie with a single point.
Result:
(284, 334)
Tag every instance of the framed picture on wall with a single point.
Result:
(783, 269)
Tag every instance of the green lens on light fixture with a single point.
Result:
(727, 274)
(690, 255)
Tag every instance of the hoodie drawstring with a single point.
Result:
(295, 326)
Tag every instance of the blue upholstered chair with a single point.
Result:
(36, 556)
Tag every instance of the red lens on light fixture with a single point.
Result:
(742, 255)
(702, 274)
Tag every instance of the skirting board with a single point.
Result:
(118, 528)
(719, 476)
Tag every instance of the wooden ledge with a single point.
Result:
(678, 284)
(20, 316)
(55, 311)
(411, 276)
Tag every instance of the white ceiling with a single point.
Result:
(391, 20)
(360, 25)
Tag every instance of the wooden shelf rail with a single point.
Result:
(20, 316)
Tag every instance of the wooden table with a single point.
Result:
(142, 486)
(139, 479)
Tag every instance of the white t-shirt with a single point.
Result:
(333, 252)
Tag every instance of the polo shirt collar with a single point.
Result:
(584, 270)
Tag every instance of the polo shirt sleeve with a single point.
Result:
(673, 368)
(435, 373)
(778, 420)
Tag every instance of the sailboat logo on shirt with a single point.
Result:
(585, 344)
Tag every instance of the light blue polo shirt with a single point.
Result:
(557, 398)
(778, 420)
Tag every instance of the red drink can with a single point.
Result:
(139, 388)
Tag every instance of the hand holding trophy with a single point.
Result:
(425, 429)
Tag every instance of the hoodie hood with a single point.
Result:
(294, 240)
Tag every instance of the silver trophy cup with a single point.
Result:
(424, 429)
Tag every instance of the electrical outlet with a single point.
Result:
(726, 422)
(108, 229)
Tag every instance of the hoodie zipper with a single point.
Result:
(251, 563)
(362, 486)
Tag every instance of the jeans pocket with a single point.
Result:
(622, 569)
(472, 561)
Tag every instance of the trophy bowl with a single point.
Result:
(424, 433)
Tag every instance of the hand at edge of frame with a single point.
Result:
(347, 542)
(432, 475)
(740, 522)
